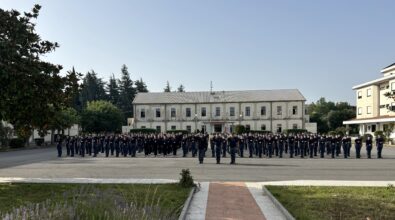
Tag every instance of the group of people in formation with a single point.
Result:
(221, 144)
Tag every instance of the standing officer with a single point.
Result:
(369, 144)
(291, 145)
(232, 140)
(212, 146)
(72, 141)
(379, 145)
(202, 148)
(358, 146)
(107, 146)
(59, 145)
(322, 143)
(218, 145)
(68, 145)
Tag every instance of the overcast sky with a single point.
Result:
(322, 48)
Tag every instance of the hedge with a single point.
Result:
(143, 130)
(17, 143)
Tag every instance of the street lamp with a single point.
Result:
(195, 122)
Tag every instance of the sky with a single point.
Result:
(322, 48)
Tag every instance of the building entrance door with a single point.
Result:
(218, 128)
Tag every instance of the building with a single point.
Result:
(269, 110)
(374, 110)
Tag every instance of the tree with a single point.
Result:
(28, 85)
(167, 88)
(329, 115)
(113, 90)
(92, 88)
(127, 92)
(5, 134)
(62, 120)
(181, 88)
(140, 86)
(73, 89)
(101, 116)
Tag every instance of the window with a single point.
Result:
(232, 111)
(188, 112)
(263, 110)
(359, 94)
(248, 127)
(142, 113)
(382, 106)
(295, 126)
(173, 113)
(279, 128)
(173, 127)
(369, 92)
(294, 110)
(393, 86)
(279, 110)
(248, 111)
(373, 128)
(204, 113)
(369, 110)
(204, 129)
(189, 128)
(157, 112)
(142, 127)
(263, 127)
(158, 128)
(359, 111)
(217, 111)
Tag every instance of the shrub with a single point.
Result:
(365, 136)
(186, 179)
(39, 141)
(143, 130)
(177, 131)
(295, 131)
(17, 143)
(239, 129)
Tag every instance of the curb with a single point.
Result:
(283, 210)
(187, 203)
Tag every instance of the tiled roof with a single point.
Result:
(219, 96)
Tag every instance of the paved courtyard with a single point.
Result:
(43, 163)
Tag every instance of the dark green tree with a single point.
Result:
(167, 88)
(92, 88)
(140, 86)
(126, 92)
(73, 89)
(101, 116)
(181, 88)
(113, 90)
(28, 85)
(62, 120)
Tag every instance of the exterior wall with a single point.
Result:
(269, 120)
(364, 102)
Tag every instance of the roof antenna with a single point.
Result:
(211, 88)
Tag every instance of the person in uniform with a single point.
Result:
(369, 144)
(72, 141)
(202, 147)
(322, 143)
(218, 146)
(358, 146)
(232, 140)
(291, 145)
(59, 145)
(379, 145)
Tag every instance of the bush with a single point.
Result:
(17, 143)
(186, 180)
(239, 129)
(259, 132)
(177, 131)
(143, 130)
(295, 131)
(365, 136)
(39, 141)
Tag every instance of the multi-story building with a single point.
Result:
(269, 110)
(374, 110)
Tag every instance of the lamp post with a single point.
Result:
(195, 122)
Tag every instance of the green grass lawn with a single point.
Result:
(337, 202)
(96, 200)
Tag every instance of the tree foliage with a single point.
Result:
(113, 90)
(92, 88)
(167, 88)
(101, 116)
(140, 86)
(28, 85)
(64, 119)
(329, 115)
(127, 92)
(181, 88)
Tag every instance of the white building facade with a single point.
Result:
(375, 111)
(268, 110)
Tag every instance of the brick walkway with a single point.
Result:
(231, 201)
